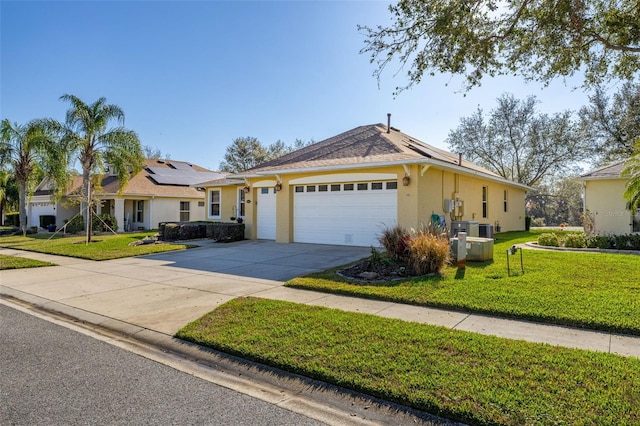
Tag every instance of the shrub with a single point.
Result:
(396, 242)
(429, 253)
(599, 241)
(575, 240)
(549, 240)
(104, 221)
(527, 222)
(538, 222)
(171, 231)
(76, 224)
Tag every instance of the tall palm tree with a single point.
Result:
(86, 136)
(25, 148)
(632, 171)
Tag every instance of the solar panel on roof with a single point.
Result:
(180, 166)
(181, 177)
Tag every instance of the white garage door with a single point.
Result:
(351, 214)
(266, 213)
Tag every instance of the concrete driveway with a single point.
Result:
(261, 258)
(164, 292)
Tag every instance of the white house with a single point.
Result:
(161, 192)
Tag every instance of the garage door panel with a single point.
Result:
(344, 217)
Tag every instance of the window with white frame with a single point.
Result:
(241, 202)
(505, 205)
(184, 211)
(140, 211)
(485, 201)
(214, 203)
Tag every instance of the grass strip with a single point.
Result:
(16, 262)
(102, 247)
(459, 375)
(591, 290)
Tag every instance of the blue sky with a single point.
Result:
(193, 76)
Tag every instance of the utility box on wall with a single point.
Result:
(471, 227)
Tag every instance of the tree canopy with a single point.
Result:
(632, 172)
(86, 135)
(29, 150)
(612, 125)
(518, 143)
(247, 152)
(538, 39)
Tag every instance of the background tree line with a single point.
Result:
(548, 152)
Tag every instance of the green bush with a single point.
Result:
(104, 221)
(549, 240)
(575, 240)
(12, 219)
(429, 253)
(527, 222)
(599, 241)
(76, 224)
(626, 242)
(538, 221)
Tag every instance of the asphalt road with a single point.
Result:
(52, 375)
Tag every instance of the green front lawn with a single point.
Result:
(599, 291)
(102, 247)
(464, 376)
(15, 262)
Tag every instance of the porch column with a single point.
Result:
(119, 213)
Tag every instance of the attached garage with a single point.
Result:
(266, 206)
(352, 213)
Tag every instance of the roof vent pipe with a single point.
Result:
(460, 159)
(388, 122)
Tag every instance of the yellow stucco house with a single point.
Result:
(346, 189)
(161, 192)
(603, 191)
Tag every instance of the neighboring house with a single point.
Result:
(161, 192)
(603, 191)
(346, 189)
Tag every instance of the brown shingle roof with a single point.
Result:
(360, 146)
(610, 171)
(143, 183)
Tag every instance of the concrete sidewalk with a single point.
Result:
(161, 293)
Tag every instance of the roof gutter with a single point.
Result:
(427, 161)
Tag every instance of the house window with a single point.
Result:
(485, 196)
(241, 195)
(140, 211)
(504, 201)
(363, 186)
(392, 185)
(264, 190)
(335, 187)
(322, 188)
(311, 188)
(348, 187)
(214, 203)
(299, 188)
(636, 222)
(184, 211)
(376, 185)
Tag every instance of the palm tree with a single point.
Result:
(632, 171)
(85, 135)
(25, 148)
(4, 182)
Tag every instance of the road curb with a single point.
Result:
(313, 398)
